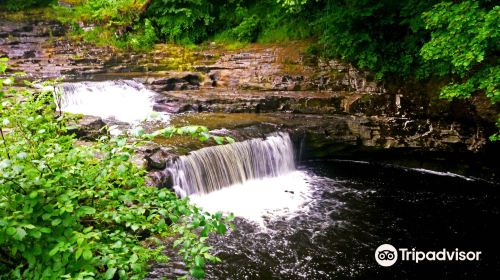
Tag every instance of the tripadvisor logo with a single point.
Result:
(387, 255)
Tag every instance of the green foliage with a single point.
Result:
(247, 30)
(118, 23)
(16, 5)
(84, 212)
(383, 36)
(293, 5)
(282, 27)
(3, 64)
(262, 21)
(464, 43)
(142, 39)
(184, 21)
(4, 81)
(112, 13)
(196, 131)
(465, 40)
(496, 136)
(462, 33)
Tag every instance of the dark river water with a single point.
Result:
(354, 208)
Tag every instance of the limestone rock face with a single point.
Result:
(275, 69)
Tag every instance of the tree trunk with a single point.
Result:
(145, 7)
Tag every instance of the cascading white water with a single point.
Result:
(253, 179)
(123, 100)
(214, 168)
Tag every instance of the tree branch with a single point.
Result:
(5, 144)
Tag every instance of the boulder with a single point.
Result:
(160, 179)
(88, 128)
(158, 158)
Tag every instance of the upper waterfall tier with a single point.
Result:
(122, 100)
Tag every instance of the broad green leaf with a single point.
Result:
(197, 272)
(54, 250)
(33, 194)
(11, 231)
(78, 253)
(87, 254)
(110, 273)
(134, 258)
(218, 139)
(136, 267)
(45, 230)
(85, 210)
(199, 261)
(221, 228)
(36, 234)
(20, 234)
(177, 242)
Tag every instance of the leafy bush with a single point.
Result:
(465, 42)
(117, 23)
(113, 13)
(196, 131)
(247, 30)
(181, 21)
(143, 38)
(83, 212)
(185, 22)
(383, 36)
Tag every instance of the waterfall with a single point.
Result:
(122, 100)
(213, 168)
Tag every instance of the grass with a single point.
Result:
(45, 13)
(286, 31)
(226, 43)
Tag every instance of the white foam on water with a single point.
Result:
(123, 100)
(258, 199)
(439, 173)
